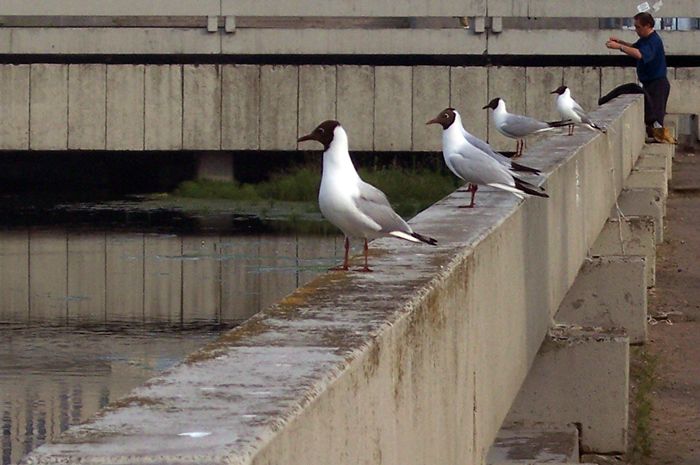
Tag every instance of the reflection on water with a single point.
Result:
(84, 278)
(87, 316)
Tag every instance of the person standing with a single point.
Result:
(651, 66)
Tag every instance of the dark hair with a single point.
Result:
(645, 19)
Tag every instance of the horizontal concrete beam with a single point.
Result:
(584, 42)
(121, 8)
(579, 376)
(596, 9)
(340, 371)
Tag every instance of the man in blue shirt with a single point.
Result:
(651, 66)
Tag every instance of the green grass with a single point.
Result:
(643, 374)
(409, 190)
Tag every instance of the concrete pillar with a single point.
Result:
(579, 376)
(609, 292)
(643, 202)
(215, 166)
(633, 235)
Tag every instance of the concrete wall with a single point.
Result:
(415, 363)
(266, 107)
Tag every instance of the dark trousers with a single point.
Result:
(658, 95)
(655, 98)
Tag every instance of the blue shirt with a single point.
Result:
(652, 66)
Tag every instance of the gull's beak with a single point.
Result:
(433, 121)
(485, 107)
(553, 92)
(306, 137)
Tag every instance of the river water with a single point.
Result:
(89, 311)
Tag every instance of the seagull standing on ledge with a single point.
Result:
(569, 109)
(472, 164)
(517, 126)
(359, 209)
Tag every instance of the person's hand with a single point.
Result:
(614, 39)
(613, 44)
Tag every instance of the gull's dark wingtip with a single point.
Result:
(426, 239)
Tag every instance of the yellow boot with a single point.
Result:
(663, 135)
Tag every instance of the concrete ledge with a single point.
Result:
(516, 444)
(631, 236)
(418, 362)
(644, 202)
(648, 178)
(667, 151)
(609, 292)
(579, 376)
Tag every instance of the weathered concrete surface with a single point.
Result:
(240, 107)
(610, 292)
(317, 96)
(279, 87)
(392, 107)
(357, 358)
(666, 151)
(579, 376)
(611, 77)
(540, 83)
(125, 107)
(649, 178)
(87, 106)
(516, 444)
(163, 107)
(634, 235)
(644, 202)
(14, 102)
(684, 97)
(467, 88)
(252, 107)
(201, 107)
(355, 107)
(431, 95)
(48, 119)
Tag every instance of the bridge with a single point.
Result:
(438, 354)
(443, 353)
(224, 76)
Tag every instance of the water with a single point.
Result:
(88, 313)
